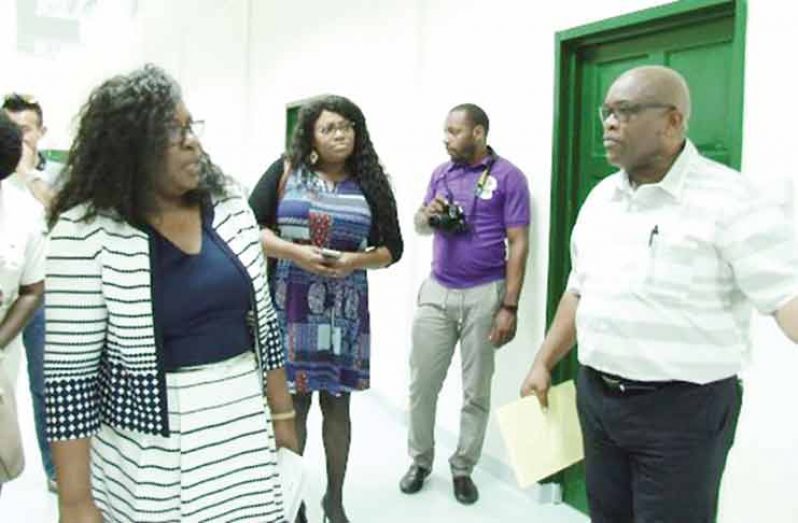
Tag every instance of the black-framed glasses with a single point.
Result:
(177, 133)
(623, 112)
(345, 127)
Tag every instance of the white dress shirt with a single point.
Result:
(667, 273)
(22, 246)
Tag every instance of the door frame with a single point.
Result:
(564, 205)
(291, 112)
(564, 197)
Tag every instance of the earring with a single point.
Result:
(313, 157)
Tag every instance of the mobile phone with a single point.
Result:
(330, 253)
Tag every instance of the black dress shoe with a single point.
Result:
(413, 479)
(464, 490)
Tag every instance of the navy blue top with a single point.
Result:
(201, 302)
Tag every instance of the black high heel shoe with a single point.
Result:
(325, 517)
(300, 515)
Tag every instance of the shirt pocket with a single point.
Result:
(672, 265)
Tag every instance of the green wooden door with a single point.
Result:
(702, 53)
(292, 115)
(704, 45)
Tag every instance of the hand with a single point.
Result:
(436, 206)
(310, 259)
(503, 330)
(285, 434)
(537, 382)
(83, 512)
(341, 266)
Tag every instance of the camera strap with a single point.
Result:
(483, 178)
(478, 188)
(481, 181)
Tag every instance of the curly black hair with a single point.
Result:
(363, 164)
(10, 145)
(120, 147)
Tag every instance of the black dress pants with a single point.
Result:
(655, 456)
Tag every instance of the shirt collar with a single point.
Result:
(673, 181)
(482, 164)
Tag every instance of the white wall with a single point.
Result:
(203, 43)
(406, 63)
(759, 480)
(61, 75)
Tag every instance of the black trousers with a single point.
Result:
(655, 456)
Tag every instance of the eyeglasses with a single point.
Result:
(624, 112)
(345, 127)
(177, 133)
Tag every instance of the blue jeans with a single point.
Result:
(33, 339)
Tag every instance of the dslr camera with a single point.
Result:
(452, 219)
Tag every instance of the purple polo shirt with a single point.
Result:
(478, 256)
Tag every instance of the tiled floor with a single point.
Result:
(377, 461)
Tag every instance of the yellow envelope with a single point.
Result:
(540, 444)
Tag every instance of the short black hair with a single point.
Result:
(475, 114)
(10, 145)
(16, 103)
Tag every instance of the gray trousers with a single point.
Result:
(444, 317)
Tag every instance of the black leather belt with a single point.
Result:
(627, 386)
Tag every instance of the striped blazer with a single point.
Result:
(103, 362)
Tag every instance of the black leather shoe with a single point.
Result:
(413, 479)
(464, 490)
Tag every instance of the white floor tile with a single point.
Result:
(378, 459)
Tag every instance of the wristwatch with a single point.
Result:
(510, 308)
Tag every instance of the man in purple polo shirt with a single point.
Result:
(477, 205)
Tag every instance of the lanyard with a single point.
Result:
(481, 181)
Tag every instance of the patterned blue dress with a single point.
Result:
(325, 320)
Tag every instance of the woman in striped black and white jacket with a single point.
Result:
(166, 393)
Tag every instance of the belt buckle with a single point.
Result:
(613, 383)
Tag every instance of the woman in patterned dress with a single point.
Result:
(335, 218)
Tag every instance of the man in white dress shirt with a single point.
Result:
(669, 255)
(38, 176)
(21, 251)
